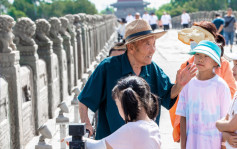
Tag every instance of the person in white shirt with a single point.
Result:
(138, 107)
(166, 21)
(129, 18)
(146, 16)
(137, 16)
(121, 29)
(153, 21)
(185, 19)
(228, 125)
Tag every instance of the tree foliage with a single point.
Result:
(35, 9)
(176, 7)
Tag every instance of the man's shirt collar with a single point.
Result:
(127, 68)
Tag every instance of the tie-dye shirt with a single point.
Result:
(203, 102)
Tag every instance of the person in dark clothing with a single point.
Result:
(219, 23)
(229, 28)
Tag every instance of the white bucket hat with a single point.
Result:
(195, 33)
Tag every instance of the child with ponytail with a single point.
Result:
(138, 107)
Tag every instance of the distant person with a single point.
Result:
(219, 23)
(229, 28)
(185, 19)
(166, 21)
(146, 16)
(153, 21)
(121, 29)
(129, 18)
(137, 16)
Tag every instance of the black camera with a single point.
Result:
(77, 131)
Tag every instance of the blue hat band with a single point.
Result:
(138, 34)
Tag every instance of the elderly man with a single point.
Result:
(140, 42)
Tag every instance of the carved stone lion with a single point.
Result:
(55, 27)
(82, 16)
(24, 31)
(42, 29)
(71, 22)
(64, 27)
(6, 36)
(77, 21)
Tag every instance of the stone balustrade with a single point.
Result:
(199, 16)
(41, 63)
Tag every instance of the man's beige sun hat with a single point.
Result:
(140, 29)
(195, 33)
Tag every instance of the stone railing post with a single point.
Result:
(77, 23)
(46, 53)
(61, 53)
(24, 31)
(72, 31)
(10, 70)
(69, 52)
(84, 40)
(88, 42)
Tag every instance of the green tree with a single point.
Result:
(35, 9)
(175, 7)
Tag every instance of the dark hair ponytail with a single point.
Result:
(221, 42)
(130, 105)
(134, 94)
(154, 107)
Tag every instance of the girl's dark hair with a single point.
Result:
(209, 26)
(134, 93)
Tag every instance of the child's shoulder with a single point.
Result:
(221, 82)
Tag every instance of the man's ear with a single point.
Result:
(130, 48)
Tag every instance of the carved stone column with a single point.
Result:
(77, 23)
(69, 51)
(84, 40)
(72, 31)
(10, 70)
(61, 53)
(24, 31)
(88, 50)
(46, 53)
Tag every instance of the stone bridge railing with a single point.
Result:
(198, 16)
(41, 63)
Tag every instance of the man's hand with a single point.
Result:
(90, 128)
(231, 138)
(83, 110)
(185, 75)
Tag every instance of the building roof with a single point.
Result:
(128, 0)
(129, 3)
